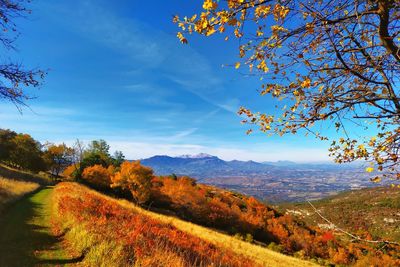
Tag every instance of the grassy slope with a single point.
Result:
(14, 184)
(376, 210)
(24, 176)
(11, 190)
(26, 238)
(261, 255)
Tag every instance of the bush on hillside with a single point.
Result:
(97, 176)
(136, 178)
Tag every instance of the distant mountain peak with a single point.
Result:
(198, 156)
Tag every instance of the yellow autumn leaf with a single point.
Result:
(376, 179)
(210, 31)
(237, 65)
(306, 83)
(369, 169)
(209, 5)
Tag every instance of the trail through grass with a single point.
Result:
(25, 234)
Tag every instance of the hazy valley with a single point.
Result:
(281, 181)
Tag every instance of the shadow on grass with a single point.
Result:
(25, 236)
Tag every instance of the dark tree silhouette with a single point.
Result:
(14, 77)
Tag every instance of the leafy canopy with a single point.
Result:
(326, 63)
(135, 178)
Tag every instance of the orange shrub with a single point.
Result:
(69, 171)
(135, 178)
(97, 176)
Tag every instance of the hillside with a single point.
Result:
(80, 225)
(72, 224)
(117, 232)
(375, 210)
(14, 184)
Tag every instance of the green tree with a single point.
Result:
(118, 158)
(324, 63)
(97, 153)
(99, 147)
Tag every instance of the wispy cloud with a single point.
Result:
(184, 133)
(152, 49)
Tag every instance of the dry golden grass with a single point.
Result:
(107, 233)
(261, 255)
(11, 190)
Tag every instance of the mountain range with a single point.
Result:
(204, 165)
(273, 181)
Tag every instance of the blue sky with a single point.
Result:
(117, 72)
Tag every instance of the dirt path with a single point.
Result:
(25, 235)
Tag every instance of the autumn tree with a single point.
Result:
(6, 143)
(15, 78)
(135, 178)
(58, 157)
(69, 172)
(26, 153)
(97, 176)
(325, 63)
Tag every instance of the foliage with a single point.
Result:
(325, 62)
(128, 237)
(118, 158)
(70, 171)
(91, 160)
(135, 178)
(99, 147)
(58, 157)
(21, 151)
(97, 153)
(97, 176)
(27, 153)
(6, 144)
(14, 77)
(248, 218)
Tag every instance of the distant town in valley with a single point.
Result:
(273, 182)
